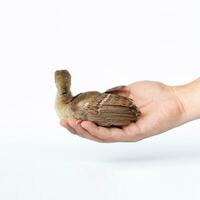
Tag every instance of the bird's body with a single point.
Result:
(104, 109)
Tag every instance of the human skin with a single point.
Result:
(163, 107)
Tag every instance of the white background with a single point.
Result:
(103, 44)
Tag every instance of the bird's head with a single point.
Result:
(63, 81)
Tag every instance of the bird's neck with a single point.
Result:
(64, 97)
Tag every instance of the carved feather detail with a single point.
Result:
(104, 109)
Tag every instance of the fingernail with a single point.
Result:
(63, 123)
(78, 122)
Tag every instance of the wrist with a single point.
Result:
(189, 98)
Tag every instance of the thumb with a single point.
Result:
(119, 90)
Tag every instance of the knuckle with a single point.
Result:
(99, 141)
(137, 137)
(106, 137)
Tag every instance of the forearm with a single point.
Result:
(189, 96)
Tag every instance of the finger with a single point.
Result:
(120, 90)
(76, 125)
(116, 89)
(65, 124)
(106, 134)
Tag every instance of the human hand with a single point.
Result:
(161, 110)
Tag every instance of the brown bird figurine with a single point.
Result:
(105, 109)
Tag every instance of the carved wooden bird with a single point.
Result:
(105, 109)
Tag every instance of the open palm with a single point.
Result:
(160, 107)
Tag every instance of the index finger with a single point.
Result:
(106, 134)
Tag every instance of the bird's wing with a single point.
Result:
(105, 109)
(78, 104)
